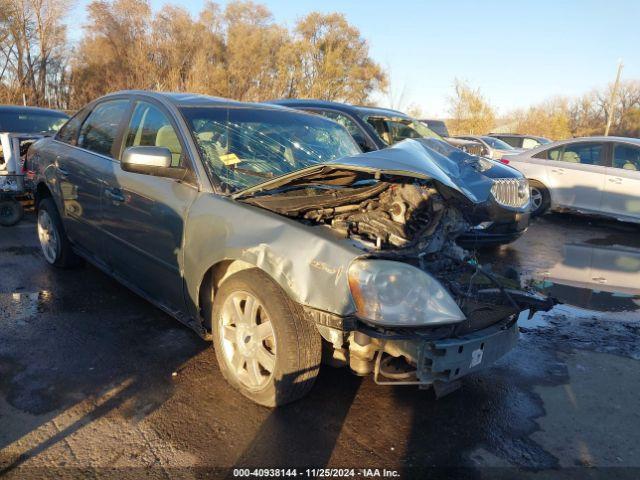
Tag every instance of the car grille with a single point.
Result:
(511, 192)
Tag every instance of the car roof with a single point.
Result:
(345, 107)
(23, 109)
(602, 138)
(599, 138)
(541, 148)
(181, 99)
(519, 135)
(478, 137)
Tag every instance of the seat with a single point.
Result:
(167, 137)
(571, 157)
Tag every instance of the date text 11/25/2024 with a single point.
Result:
(316, 472)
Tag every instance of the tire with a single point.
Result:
(54, 243)
(11, 212)
(540, 198)
(271, 367)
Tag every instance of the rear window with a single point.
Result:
(437, 126)
(31, 122)
(513, 141)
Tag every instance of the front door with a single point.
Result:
(576, 175)
(144, 215)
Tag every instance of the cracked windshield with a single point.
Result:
(242, 147)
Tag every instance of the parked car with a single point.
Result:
(437, 126)
(378, 128)
(493, 147)
(595, 175)
(17, 119)
(469, 146)
(520, 141)
(266, 230)
(19, 128)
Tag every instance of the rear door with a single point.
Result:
(144, 215)
(622, 185)
(576, 175)
(83, 161)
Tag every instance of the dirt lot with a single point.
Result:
(94, 381)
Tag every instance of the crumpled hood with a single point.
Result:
(426, 158)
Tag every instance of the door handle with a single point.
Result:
(115, 195)
(616, 180)
(557, 170)
(61, 171)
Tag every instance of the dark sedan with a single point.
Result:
(378, 128)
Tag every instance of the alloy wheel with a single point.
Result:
(536, 198)
(248, 340)
(48, 236)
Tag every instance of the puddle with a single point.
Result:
(600, 278)
(20, 306)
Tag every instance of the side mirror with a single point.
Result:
(155, 161)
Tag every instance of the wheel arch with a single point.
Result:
(41, 192)
(211, 281)
(543, 183)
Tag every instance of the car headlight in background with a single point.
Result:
(392, 293)
(511, 192)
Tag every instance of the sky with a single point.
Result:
(517, 53)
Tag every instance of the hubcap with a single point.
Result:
(248, 340)
(48, 235)
(536, 198)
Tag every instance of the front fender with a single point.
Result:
(309, 262)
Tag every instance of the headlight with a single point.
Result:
(397, 294)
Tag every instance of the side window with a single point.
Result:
(626, 157)
(150, 127)
(583, 153)
(529, 143)
(68, 133)
(551, 154)
(99, 130)
(513, 141)
(354, 130)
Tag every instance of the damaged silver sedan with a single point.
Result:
(265, 230)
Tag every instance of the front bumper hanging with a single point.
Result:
(445, 361)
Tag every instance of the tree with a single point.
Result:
(470, 112)
(239, 52)
(115, 52)
(549, 119)
(334, 61)
(33, 50)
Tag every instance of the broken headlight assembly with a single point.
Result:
(396, 294)
(511, 192)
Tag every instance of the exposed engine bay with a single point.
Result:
(406, 219)
(390, 214)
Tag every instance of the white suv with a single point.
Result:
(597, 175)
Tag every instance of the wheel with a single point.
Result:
(53, 240)
(265, 346)
(540, 199)
(11, 212)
